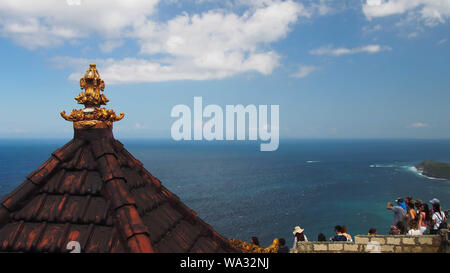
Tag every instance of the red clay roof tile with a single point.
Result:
(93, 191)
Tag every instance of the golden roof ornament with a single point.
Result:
(92, 116)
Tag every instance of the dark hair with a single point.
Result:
(436, 207)
(426, 209)
(418, 204)
(410, 204)
(372, 231)
(300, 236)
(282, 241)
(321, 238)
(255, 240)
(394, 230)
(401, 227)
(338, 228)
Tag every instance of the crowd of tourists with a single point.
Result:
(411, 217)
(414, 217)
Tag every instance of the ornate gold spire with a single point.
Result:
(92, 116)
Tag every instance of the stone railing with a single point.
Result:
(381, 244)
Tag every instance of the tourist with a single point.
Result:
(344, 232)
(282, 248)
(418, 204)
(401, 203)
(372, 232)
(435, 201)
(339, 236)
(321, 237)
(394, 231)
(399, 212)
(438, 219)
(411, 213)
(414, 227)
(422, 218)
(299, 236)
(254, 240)
(427, 211)
(408, 199)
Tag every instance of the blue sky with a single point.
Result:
(338, 69)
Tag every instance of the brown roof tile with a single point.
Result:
(93, 191)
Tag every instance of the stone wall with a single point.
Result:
(381, 244)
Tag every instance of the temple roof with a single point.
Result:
(94, 192)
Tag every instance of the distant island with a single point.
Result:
(434, 169)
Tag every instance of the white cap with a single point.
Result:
(435, 201)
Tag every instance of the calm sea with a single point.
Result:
(243, 192)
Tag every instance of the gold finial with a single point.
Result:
(92, 83)
(92, 115)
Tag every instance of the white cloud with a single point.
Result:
(322, 7)
(109, 45)
(418, 125)
(48, 23)
(303, 71)
(329, 50)
(431, 12)
(211, 45)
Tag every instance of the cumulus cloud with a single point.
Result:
(136, 70)
(329, 50)
(50, 23)
(212, 45)
(431, 12)
(303, 71)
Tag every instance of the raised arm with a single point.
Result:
(389, 206)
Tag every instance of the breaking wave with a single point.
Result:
(408, 168)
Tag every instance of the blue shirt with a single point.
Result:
(339, 237)
(403, 205)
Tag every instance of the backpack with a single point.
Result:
(443, 224)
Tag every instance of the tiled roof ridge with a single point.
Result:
(130, 224)
(11, 201)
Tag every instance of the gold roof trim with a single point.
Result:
(92, 116)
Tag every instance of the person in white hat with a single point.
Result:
(435, 201)
(299, 236)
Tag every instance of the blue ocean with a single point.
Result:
(243, 192)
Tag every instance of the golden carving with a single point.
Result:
(252, 248)
(92, 124)
(92, 116)
(100, 114)
(93, 84)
